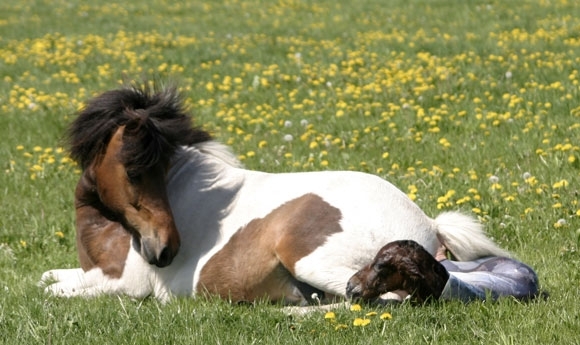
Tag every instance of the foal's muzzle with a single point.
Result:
(353, 290)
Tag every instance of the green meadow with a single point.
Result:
(464, 105)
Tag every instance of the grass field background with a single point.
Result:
(468, 105)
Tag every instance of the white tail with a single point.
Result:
(464, 237)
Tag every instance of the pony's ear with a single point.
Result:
(137, 118)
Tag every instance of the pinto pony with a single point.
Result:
(164, 210)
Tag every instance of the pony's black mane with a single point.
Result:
(155, 121)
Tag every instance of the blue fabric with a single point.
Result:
(489, 277)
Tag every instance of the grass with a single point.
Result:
(463, 105)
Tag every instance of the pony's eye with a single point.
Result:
(133, 176)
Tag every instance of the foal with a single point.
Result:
(407, 266)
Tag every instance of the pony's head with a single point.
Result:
(400, 265)
(124, 140)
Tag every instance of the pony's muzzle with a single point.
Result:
(157, 253)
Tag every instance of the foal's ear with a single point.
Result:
(411, 268)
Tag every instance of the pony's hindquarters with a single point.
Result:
(464, 237)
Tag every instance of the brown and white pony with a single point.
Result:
(163, 210)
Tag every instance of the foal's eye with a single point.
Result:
(383, 268)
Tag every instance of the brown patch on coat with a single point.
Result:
(101, 241)
(258, 261)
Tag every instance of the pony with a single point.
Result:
(406, 266)
(163, 209)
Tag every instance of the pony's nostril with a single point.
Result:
(165, 258)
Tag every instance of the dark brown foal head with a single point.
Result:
(400, 265)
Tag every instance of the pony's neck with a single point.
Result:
(206, 158)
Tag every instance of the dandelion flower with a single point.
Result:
(355, 307)
(560, 184)
(59, 234)
(358, 322)
(330, 315)
(386, 316)
(560, 223)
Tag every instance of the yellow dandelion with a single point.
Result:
(355, 307)
(372, 313)
(386, 316)
(560, 184)
(23, 243)
(20, 147)
(330, 315)
(359, 322)
(59, 234)
(340, 326)
(560, 223)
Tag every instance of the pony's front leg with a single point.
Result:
(76, 282)
(64, 282)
